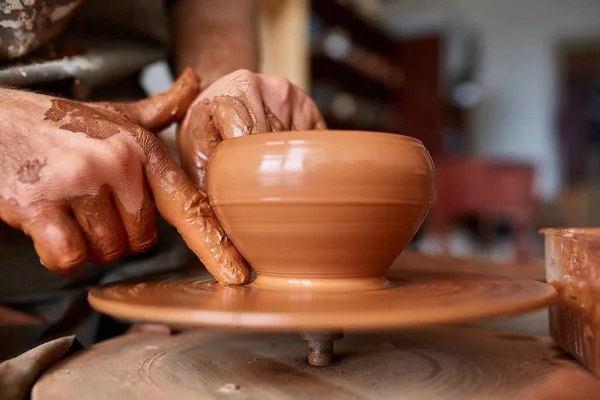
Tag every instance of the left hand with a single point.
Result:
(241, 103)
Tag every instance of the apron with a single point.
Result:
(86, 50)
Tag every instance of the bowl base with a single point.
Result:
(321, 284)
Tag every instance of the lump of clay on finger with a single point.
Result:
(232, 118)
(218, 254)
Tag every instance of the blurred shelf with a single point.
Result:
(365, 63)
(354, 81)
(362, 30)
(334, 122)
(358, 77)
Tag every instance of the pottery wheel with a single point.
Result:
(412, 299)
(433, 364)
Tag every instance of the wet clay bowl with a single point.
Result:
(321, 209)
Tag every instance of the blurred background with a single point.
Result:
(504, 94)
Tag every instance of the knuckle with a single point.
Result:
(283, 87)
(76, 170)
(144, 138)
(108, 248)
(110, 254)
(80, 169)
(70, 261)
(121, 154)
(309, 108)
(145, 243)
(245, 73)
(281, 82)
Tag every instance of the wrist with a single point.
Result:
(215, 37)
(222, 62)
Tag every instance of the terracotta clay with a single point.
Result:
(433, 364)
(573, 268)
(411, 299)
(321, 209)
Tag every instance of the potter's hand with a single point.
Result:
(83, 179)
(241, 103)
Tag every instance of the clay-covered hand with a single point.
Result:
(241, 103)
(84, 180)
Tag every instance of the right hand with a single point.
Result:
(83, 180)
(241, 103)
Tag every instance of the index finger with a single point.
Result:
(186, 208)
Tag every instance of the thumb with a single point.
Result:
(233, 117)
(161, 110)
(197, 139)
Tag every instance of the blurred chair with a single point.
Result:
(487, 189)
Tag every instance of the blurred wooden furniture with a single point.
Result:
(488, 190)
(284, 39)
(419, 110)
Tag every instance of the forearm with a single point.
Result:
(215, 37)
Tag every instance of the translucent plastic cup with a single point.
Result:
(573, 268)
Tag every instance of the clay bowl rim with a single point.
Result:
(262, 139)
(324, 132)
(581, 234)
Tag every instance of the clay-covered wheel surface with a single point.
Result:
(413, 299)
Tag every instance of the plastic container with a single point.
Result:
(573, 268)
